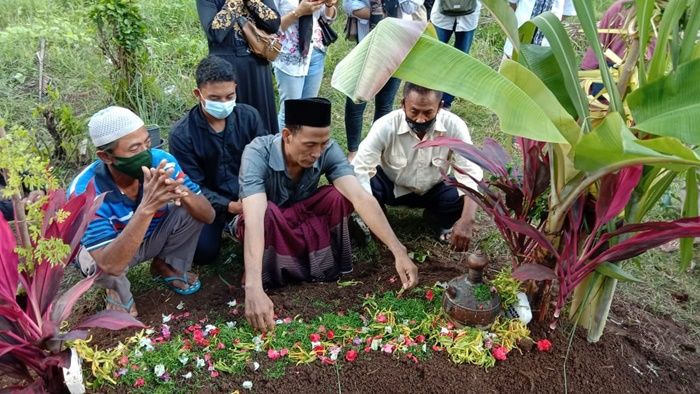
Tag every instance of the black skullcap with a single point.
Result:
(314, 112)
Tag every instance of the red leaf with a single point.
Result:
(111, 320)
(63, 306)
(489, 163)
(615, 192)
(8, 263)
(650, 238)
(526, 229)
(533, 272)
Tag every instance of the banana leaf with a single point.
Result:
(690, 209)
(433, 64)
(505, 18)
(645, 10)
(672, 14)
(541, 61)
(584, 11)
(568, 62)
(612, 146)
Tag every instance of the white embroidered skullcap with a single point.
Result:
(112, 123)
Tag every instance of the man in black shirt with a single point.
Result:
(209, 141)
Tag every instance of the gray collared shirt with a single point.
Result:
(263, 171)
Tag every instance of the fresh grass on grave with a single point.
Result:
(410, 325)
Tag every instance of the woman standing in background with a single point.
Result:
(253, 75)
(299, 67)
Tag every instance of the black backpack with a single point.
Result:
(457, 7)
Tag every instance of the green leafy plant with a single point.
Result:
(538, 96)
(67, 130)
(32, 331)
(121, 34)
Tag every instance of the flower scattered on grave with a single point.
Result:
(544, 345)
(499, 353)
(351, 355)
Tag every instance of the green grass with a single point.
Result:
(75, 65)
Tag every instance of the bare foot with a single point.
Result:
(351, 155)
(165, 270)
(113, 306)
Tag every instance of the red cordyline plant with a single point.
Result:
(591, 237)
(31, 338)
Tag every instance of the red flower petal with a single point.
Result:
(330, 334)
(351, 355)
(544, 345)
(429, 295)
(315, 337)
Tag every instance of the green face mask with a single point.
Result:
(131, 166)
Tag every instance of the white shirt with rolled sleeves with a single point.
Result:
(390, 144)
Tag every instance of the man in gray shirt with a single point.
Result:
(293, 229)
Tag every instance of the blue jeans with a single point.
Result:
(463, 42)
(383, 104)
(290, 87)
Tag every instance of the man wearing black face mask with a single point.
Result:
(151, 210)
(390, 168)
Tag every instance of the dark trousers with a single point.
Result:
(209, 243)
(383, 104)
(443, 204)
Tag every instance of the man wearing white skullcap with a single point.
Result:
(151, 210)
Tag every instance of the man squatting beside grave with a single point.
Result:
(291, 228)
(151, 210)
(388, 166)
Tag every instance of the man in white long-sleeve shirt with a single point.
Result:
(390, 168)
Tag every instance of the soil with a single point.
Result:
(639, 353)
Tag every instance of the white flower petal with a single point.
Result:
(180, 306)
(230, 324)
(247, 385)
(188, 375)
(159, 370)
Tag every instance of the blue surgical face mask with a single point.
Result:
(219, 110)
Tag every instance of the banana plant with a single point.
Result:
(538, 96)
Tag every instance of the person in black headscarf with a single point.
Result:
(218, 18)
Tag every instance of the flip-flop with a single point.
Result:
(126, 306)
(193, 288)
(445, 235)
